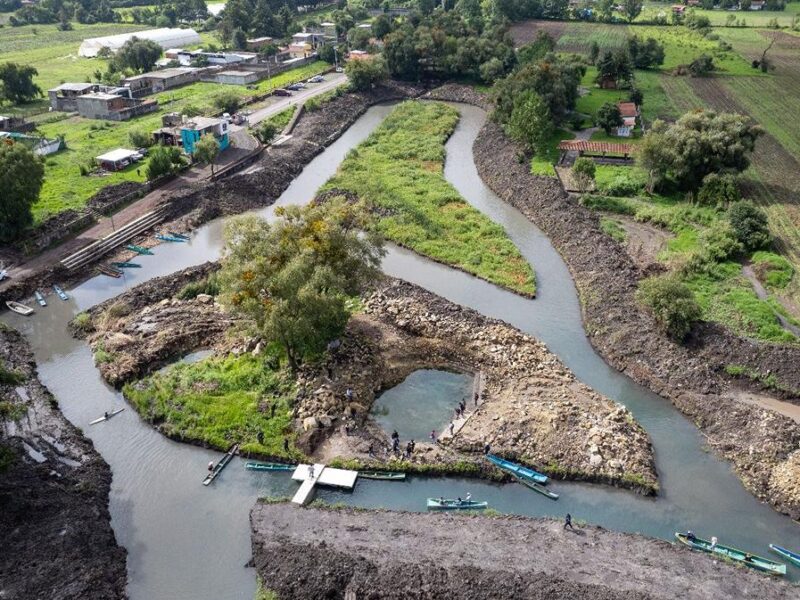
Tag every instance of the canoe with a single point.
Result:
(517, 470)
(451, 504)
(138, 249)
(751, 560)
(110, 271)
(126, 265)
(382, 475)
(537, 487)
(212, 475)
(19, 308)
(178, 235)
(3, 274)
(792, 557)
(168, 238)
(106, 417)
(269, 467)
(40, 298)
(61, 293)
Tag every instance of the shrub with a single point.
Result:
(266, 132)
(209, 286)
(672, 303)
(615, 205)
(701, 66)
(10, 377)
(140, 139)
(775, 271)
(583, 172)
(83, 322)
(749, 225)
(718, 190)
(228, 102)
(163, 160)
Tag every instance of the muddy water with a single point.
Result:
(185, 541)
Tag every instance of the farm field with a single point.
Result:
(719, 17)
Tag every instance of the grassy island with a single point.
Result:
(399, 169)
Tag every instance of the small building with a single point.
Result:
(165, 37)
(629, 113)
(256, 44)
(196, 127)
(757, 4)
(236, 77)
(187, 58)
(118, 159)
(172, 53)
(678, 9)
(597, 149)
(158, 81)
(313, 38)
(64, 97)
(358, 55)
(36, 144)
(300, 50)
(113, 107)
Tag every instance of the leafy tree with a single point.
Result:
(140, 138)
(594, 52)
(699, 143)
(381, 26)
(672, 303)
(749, 224)
(358, 38)
(697, 21)
(530, 123)
(228, 101)
(206, 150)
(718, 190)
(239, 39)
(21, 178)
(701, 66)
(608, 117)
(292, 278)
(636, 96)
(614, 66)
(632, 9)
(605, 10)
(645, 54)
(364, 73)
(163, 161)
(537, 49)
(583, 171)
(138, 55)
(492, 70)
(266, 132)
(16, 83)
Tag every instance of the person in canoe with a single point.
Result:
(210, 466)
(433, 436)
(748, 558)
(713, 542)
(691, 536)
(468, 498)
(105, 415)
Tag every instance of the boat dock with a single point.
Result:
(319, 474)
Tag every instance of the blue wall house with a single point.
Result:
(196, 127)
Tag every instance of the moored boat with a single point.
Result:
(106, 416)
(451, 504)
(269, 467)
(217, 469)
(61, 293)
(792, 557)
(751, 560)
(382, 475)
(168, 238)
(179, 235)
(110, 271)
(19, 308)
(126, 265)
(517, 470)
(40, 298)
(138, 249)
(537, 487)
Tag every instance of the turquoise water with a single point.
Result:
(426, 400)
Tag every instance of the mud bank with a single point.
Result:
(57, 541)
(762, 445)
(347, 553)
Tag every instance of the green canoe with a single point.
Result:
(382, 475)
(451, 504)
(751, 560)
(252, 466)
(536, 487)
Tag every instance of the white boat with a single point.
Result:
(19, 308)
(106, 416)
(61, 293)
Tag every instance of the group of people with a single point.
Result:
(395, 450)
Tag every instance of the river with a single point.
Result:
(185, 541)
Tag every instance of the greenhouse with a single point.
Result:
(165, 37)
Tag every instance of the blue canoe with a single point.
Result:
(178, 235)
(138, 249)
(168, 238)
(517, 470)
(61, 293)
(126, 265)
(40, 298)
(792, 557)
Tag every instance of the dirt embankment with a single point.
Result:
(57, 541)
(762, 445)
(351, 553)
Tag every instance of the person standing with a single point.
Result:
(286, 445)
(568, 522)
(451, 428)
(349, 394)
(433, 436)
(260, 437)
(487, 448)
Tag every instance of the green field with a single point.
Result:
(719, 17)
(399, 169)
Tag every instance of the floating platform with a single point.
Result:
(312, 475)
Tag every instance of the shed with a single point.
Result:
(117, 159)
(234, 77)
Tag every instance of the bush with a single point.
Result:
(773, 270)
(615, 205)
(228, 102)
(749, 225)
(10, 377)
(701, 66)
(718, 190)
(209, 286)
(583, 172)
(140, 139)
(266, 132)
(364, 73)
(672, 303)
(163, 161)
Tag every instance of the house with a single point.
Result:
(678, 9)
(236, 77)
(64, 97)
(313, 38)
(196, 127)
(255, 44)
(158, 81)
(38, 145)
(757, 4)
(118, 159)
(113, 106)
(358, 55)
(328, 29)
(187, 58)
(300, 50)
(692, 2)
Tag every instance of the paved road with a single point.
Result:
(332, 80)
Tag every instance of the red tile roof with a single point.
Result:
(596, 147)
(627, 109)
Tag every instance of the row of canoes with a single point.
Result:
(380, 475)
(25, 310)
(525, 475)
(115, 268)
(746, 558)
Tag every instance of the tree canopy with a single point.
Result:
(16, 83)
(364, 72)
(608, 117)
(21, 178)
(530, 123)
(138, 55)
(292, 278)
(206, 150)
(749, 224)
(673, 304)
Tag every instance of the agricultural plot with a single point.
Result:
(578, 37)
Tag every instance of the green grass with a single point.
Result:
(617, 180)
(773, 270)
(219, 401)
(399, 169)
(542, 163)
(759, 18)
(613, 228)
(579, 36)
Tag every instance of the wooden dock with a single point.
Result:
(319, 474)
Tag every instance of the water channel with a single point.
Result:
(185, 541)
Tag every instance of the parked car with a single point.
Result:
(295, 86)
(282, 92)
(316, 79)
(339, 70)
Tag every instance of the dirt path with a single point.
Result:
(763, 294)
(768, 402)
(317, 552)
(643, 242)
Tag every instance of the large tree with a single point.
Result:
(608, 117)
(292, 278)
(138, 55)
(530, 123)
(16, 83)
(699, 143)
(206, 150)
(21, 177)
(632, 8)
(364, 72)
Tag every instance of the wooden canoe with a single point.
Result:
(537, 487)
(451, 504)
(40, 298)
(792, 557)
(19, 308)
(269, 467)
(61, 293)
(751, 560)
(138, 249)
(382, 475)
(111, 272)
(517, 470)
(223, 462)
(178, 235)
(106, 417)
(168, 238)
(126, 265)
